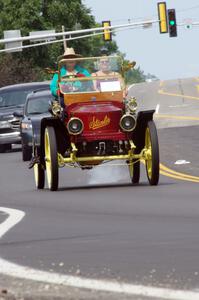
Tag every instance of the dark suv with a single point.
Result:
(12, 98)
(36, 107)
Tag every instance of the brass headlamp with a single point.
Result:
(56, 108)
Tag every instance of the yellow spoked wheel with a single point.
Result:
(134, 170)
(50, 144)
(39, 176)
(152, 153)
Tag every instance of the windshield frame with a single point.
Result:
(114, 74)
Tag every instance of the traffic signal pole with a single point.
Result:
(75, 32)
(166, 20)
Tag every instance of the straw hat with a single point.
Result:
(70, 53)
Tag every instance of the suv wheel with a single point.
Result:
(26, 152)
(5, 147)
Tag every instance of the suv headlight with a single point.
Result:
(26, 126)
(4, 124)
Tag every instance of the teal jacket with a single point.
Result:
(54, 81)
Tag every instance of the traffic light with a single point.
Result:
(172, 22)
(162, 14)
(107, 32)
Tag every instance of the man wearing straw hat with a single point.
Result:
(71, 68)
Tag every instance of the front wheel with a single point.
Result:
(152, 153)
(50, 144)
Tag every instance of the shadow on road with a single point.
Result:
(102, 186)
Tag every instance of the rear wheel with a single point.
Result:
(152, 153)
(134, 170)
(50, 144)
(39, 176)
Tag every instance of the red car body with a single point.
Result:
(101, 120)
(92, 123)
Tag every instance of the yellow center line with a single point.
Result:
(161, 92)
(163, 169)
(182, 175)
(157, 116)
(178, 177)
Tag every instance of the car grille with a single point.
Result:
(5, 130)
(15, 124)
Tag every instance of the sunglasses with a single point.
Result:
(104, 62)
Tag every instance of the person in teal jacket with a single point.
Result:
(71, 68)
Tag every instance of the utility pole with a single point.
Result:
(64, 38)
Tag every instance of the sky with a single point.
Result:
(155, 53)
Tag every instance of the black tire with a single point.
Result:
(39, 176)
(152, 165)
(26, 152)
(135, 172)
(8, 147)
(5, 147)
(50, 144)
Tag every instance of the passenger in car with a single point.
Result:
(104, 68)
(71, 68)
(106, 71)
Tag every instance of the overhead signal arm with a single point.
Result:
(72, 35)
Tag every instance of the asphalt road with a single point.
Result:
(100, 226)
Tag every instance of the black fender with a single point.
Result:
(39, 131)
(143, 117)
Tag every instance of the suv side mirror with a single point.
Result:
(18, 114)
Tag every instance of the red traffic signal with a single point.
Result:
(172, 23)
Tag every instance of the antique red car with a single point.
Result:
(92, 122)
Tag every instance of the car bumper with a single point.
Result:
(26, 138)
(10, 138)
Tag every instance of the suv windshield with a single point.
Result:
(13, 98)
(37, 105)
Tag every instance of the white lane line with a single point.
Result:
(14, 270)
(15, 216)
(179, 105)
(130, 86)
(157, 108)
(181, 162)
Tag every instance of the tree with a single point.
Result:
(134, 76)
(36, 15)
(14, 70)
